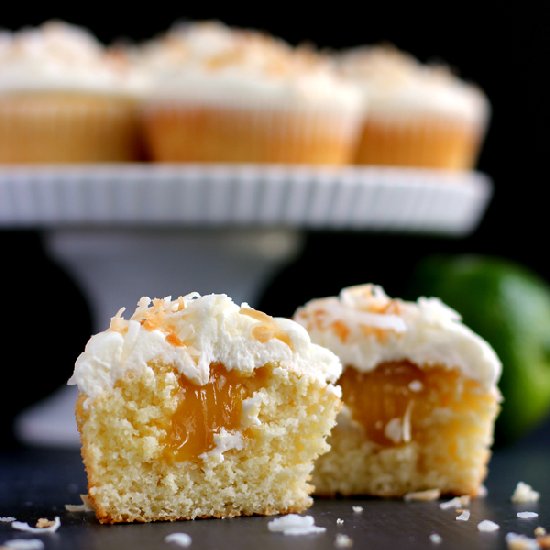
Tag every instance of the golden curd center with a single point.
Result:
(203, 410)
(405, 394)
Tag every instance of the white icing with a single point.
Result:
(212, 64)
(210, 329)
(425, 333)
(65, 58)
(396, 85)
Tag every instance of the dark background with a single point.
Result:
(505, 51)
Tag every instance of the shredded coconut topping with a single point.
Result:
(527, 515)
(180, 539)
(24, 544)
(43, 525)
(487, 526)
(520, 542)
(524, 494)
(365, 328)
(435, 538)
(357, 509)
(293, 524)
(464, 516)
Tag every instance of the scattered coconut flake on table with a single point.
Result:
(181, 539)
(343, 541)
(24, 544)
(7, 519)
(435, 538)
(50, 527)
(357, 509)
(293, 524)
(527, 515)
(465, 516)
(524, 494)
(520, 542)
(487, 526)
(456, 502)
(423, 496)
(339, 521)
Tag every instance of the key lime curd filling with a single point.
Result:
(418, 387)
(220, 354)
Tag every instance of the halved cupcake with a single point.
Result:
(419, 392)
(200, 408)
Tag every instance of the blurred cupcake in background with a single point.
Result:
(418, 115)
(65, 99)
(225, 95)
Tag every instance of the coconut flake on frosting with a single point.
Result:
(62, 57)
(365, 328)
(396, 84)
(212, 63)
(191, 333)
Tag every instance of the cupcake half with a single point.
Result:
(64, 99)
(419, 393)
(200, 408)
(220, 95)
(419, 115)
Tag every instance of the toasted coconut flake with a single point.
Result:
(180, 539)
(343, 541)
(52, 527)
(540, 532)
(487, 526)
(527, 515)
(423, 496)
(524, 494)
(435, 538)
(520, 542)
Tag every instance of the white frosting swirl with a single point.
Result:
(211, 63)
(365, 328)
(193, 332)
(396, 85)
(62, 57)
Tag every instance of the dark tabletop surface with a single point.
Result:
(39, 483)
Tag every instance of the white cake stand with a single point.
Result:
(132, 230)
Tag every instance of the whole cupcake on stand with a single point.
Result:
(419, 115)
(220, 95)
(65, 99)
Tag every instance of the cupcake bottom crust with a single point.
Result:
(449, 145)
(134, 466)
(412, 430)
(48, 128)
(220, 135)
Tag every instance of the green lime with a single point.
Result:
(509, 306)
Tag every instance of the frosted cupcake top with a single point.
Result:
(211, 63)
(365, 328)
(193, 332)
(62, 57)
(395, 84)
